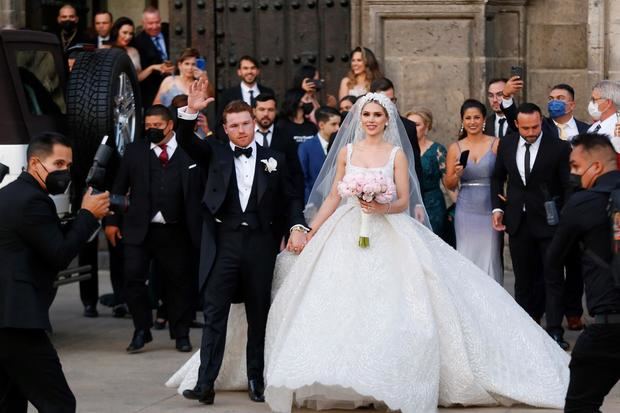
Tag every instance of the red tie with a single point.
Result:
(163, 156)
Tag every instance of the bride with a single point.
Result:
(406, 322)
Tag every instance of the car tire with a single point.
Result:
(103, 98)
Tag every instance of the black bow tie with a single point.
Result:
(243, 151)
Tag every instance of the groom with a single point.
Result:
(247, 189)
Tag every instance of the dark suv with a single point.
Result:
(100, 96)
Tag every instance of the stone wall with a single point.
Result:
(439, 52)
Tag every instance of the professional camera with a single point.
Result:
(96, 176)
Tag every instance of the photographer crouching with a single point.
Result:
(33, 248)
(590, 219)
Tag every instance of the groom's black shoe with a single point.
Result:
(183, 344)
(255, 390)
(140, 338)
(203, 393)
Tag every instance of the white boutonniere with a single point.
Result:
(270, 164)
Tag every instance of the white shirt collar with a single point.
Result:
(245, 88)
(324, 143)
(536, 143)
(171, 145)
(269, 130)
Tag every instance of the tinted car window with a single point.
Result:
(41, 83)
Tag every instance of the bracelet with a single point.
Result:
(299, 228)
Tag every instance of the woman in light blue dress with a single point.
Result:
(178, 84)
(475, 237)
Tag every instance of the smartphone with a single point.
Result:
(516, 71)
(463, 158)
(201, 63)
(318, 83)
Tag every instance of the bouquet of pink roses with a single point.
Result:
(367, 186)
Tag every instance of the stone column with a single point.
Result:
(433, 51)
(12, 13)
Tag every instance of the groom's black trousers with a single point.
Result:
(244, 262)
(30, 371)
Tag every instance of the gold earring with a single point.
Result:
(461, 131)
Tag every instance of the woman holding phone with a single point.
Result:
(178, 84)
(470, 165)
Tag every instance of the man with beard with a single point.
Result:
(248, 71)
(69, 33)
(496, 123)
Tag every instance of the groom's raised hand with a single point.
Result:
(197, 98)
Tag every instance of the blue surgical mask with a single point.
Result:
(556, 108)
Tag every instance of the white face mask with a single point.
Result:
(593, 110)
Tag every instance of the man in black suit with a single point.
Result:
(247, 189)
(560, 124)
(536, 168)
(268, 135)
(385, 86)
(586, 220)
(496, 124)
(34, 246)
(154, 48)
(162, 225)
(249, 88)
(561, 104)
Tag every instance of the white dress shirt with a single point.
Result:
(570, 129)
(521, 155)
(259, 137)
(171, 146)
(505, 125)
(607, 127)
(245, 92)
(324, 143)
(244, 170)
(100, 40)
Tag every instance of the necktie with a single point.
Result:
(562, 128)
(243, 151)
(251, 97)
(265, 141)
(598, 128)
(527, 162)
(500, 132)
(157, 40)
(163, 156)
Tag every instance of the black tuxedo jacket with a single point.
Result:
(276, 196)
(551, 170)
(234, 93)
(548, 126)
(133, 177)
(149, 55)
(412, 133)
(33, 248)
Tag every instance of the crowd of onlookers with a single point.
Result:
(463, 185)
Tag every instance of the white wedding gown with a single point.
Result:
(407, 322)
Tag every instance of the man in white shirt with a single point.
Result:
(496, 124)
(603, 108)
(103, 27)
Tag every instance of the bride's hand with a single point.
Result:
(373, 207)
(296, 242)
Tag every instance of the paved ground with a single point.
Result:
(106, 379)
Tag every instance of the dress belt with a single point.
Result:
(475, 184)
(607, 319)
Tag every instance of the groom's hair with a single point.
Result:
(236, 106)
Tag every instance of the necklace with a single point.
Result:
(66, 42)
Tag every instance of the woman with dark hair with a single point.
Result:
(364, 69)
(121, 35)
(178, 84)
(475, 237)
(293, 122)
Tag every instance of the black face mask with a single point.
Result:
(575, 181)
(343, 115)
(307, 108)
(154, 135)
(57, 182)
(68, 26)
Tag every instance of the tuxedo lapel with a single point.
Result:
(260, 176)
(227, 166)
(542, 155)
(145, 161)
